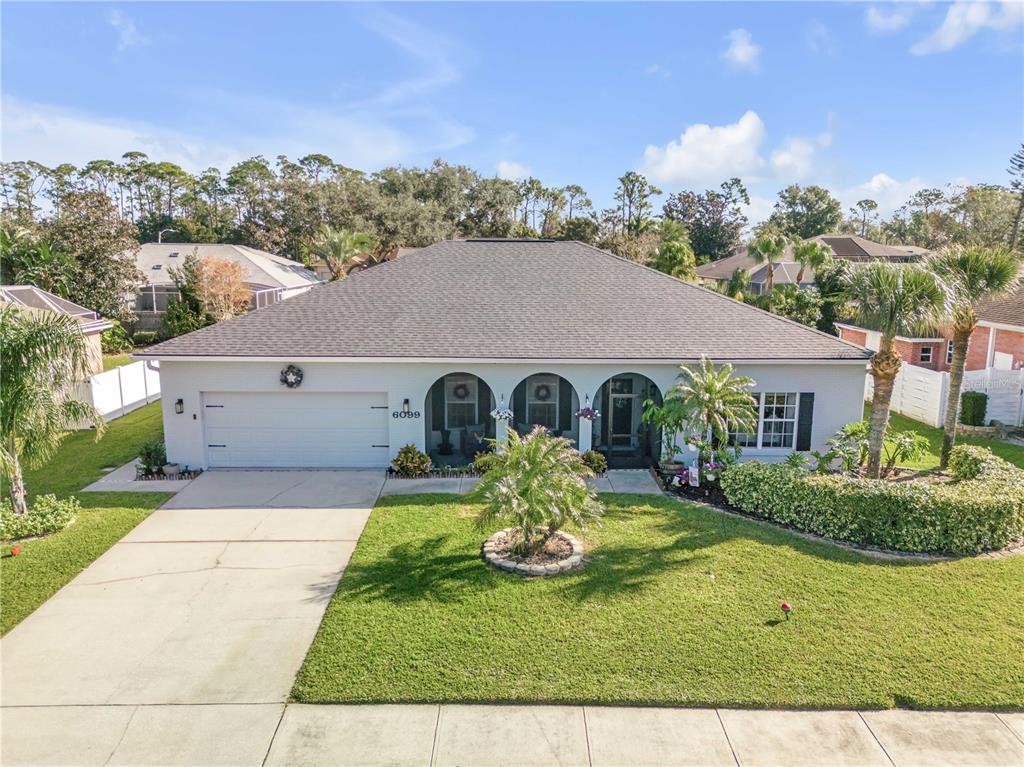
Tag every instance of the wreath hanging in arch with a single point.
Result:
(542, 392)
(461, 391)
(291, 376)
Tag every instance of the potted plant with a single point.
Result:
(171, 469)
(152, 457)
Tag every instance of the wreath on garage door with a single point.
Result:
(291, 376)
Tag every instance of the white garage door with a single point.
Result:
(296, 429)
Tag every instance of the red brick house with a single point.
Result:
(997, 342)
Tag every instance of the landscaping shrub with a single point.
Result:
(485, 460)
(411, 462)
(144, 337)
(115, 340)
(973, 405)
(153, 456)
(981, 509)
(46, 515)
(595, 461)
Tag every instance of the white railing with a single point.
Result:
(121, 390)
(921, 393)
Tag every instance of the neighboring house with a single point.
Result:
(270, 278)
(35, 299)
(997, 342)
(421, 349)
(848, 247)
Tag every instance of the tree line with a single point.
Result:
(67, 228)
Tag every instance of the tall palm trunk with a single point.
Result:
(884, 366)
(18, 503)
(961, 337)
(770, 278)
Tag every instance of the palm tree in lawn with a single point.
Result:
(42, 358)
(972, 274)
(810, 254)
(892, 299)
(768, 249)
(338, 248)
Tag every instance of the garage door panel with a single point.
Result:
(296, 429)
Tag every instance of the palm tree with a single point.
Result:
(971, 274)
(891, 299)
(538, 483)
(738, 284)
(42, 357)
(710, 401)
(338, 248)
(768, 249)
(809, 254)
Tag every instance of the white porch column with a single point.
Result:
(501, 433)
(990, 353)
(586, 440)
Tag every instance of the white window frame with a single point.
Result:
(473, 399)
(552, 381)
(949, 352)
(759, 443)
(921, 356)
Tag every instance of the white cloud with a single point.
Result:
(965, 19)
(742, 52)
(888, 192)
(513, 171)
(888, 19)
(710, 153)
(128, 35)
(819, 39)
(758, 210)
(657, 70)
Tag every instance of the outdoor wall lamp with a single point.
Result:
(179, 406)
(405, 406)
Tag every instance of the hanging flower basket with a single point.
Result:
(501, 413)
(588, 414)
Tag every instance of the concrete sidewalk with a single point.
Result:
(431, 735)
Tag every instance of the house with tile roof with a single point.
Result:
(848, 247)
(271, 278)
(427, 348)
(32, 299)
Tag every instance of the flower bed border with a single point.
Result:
(574, 561)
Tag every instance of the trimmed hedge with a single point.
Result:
(981, 509)
(973, 405)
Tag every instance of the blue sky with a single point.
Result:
(869, 99)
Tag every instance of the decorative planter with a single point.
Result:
(979, 432)
(510, 563)
(170, 469)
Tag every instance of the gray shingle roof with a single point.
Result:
(258, 266)
(515, 300)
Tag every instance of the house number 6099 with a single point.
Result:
(403, 414)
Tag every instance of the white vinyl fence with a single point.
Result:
(921, 393)
(122, 390)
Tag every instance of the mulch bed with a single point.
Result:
(554, 551)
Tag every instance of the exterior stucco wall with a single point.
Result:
(838, 389)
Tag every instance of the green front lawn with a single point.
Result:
(1012, 453)
(46, 564)
(679, 605)
(81, 459)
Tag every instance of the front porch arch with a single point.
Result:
(457, 418)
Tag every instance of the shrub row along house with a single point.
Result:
(424, 349)
(787, 271)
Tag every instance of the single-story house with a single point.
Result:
(997, 342)
(33, 299)
(270, 278)
(422, 349)
(848, 247)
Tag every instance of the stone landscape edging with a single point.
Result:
(498, 562)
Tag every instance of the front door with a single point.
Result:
(622, 432)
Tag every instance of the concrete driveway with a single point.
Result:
(213, 599)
